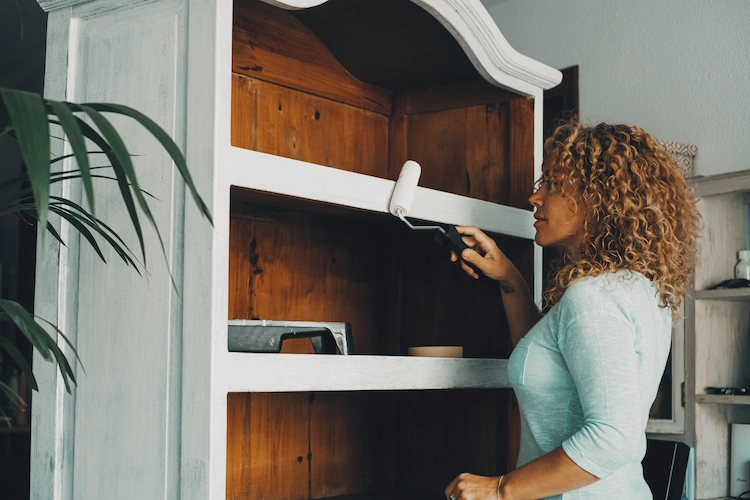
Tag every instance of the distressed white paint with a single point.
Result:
(52, 435)
(149, 417)
(52, 5)
(275, 174)
(309, 372)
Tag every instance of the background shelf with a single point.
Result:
(250, 372)
(722, 399)
(735, 294)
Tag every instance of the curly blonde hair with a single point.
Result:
(641, 214)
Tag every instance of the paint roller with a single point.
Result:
(403, 195)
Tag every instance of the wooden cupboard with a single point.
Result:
(296, 117)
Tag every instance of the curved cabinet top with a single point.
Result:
(474, 29)
(469, 23)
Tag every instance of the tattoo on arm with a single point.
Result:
(506, 287)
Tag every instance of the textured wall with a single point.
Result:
(678, 68)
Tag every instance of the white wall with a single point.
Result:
(678, 68)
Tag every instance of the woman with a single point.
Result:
(586, 372)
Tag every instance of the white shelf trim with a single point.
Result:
(249, 372)
(299, 179)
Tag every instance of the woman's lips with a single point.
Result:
(539, 220)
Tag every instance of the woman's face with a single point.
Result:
(559, 217)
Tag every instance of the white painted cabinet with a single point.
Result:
(149, 417)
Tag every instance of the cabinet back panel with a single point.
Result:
(281, 121)
(295, 446)
(462, 151)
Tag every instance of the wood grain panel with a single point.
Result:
(292, 266)
(352, 443)
(440, 305)
(462, 150)
(244, 114)
(445, 433)
(267, 446)
(285, 122)
(521, 144)
(397, 136)
(426, 99)
(271, 45)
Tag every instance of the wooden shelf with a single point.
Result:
(734, 294)
(721, 399)
(250, 372)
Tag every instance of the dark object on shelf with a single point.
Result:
(267, 335)
(664, 468)
(728, 391)
(731, 283)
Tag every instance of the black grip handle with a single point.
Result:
(452, 240)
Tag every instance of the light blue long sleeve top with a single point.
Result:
(586, 376)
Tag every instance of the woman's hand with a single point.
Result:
(482, 253)
(470, 487)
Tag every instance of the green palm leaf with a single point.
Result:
(69, 124)
(167, 143)
(39, 338)
(28, 116)
(19, 359)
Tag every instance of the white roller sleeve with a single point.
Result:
(406, 186)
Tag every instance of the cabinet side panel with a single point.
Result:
(129, 333)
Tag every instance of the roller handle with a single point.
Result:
(453, 241)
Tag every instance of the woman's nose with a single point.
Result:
(536, 199)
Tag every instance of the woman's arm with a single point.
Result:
(552, 474)
(484, 253)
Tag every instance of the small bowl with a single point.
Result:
(438, 351)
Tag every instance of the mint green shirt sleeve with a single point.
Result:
(599, 350)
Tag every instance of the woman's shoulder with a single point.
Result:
(610, 292)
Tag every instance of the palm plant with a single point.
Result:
(27, 117)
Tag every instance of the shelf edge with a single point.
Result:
(250, 372)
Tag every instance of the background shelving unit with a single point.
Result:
(717, 331)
